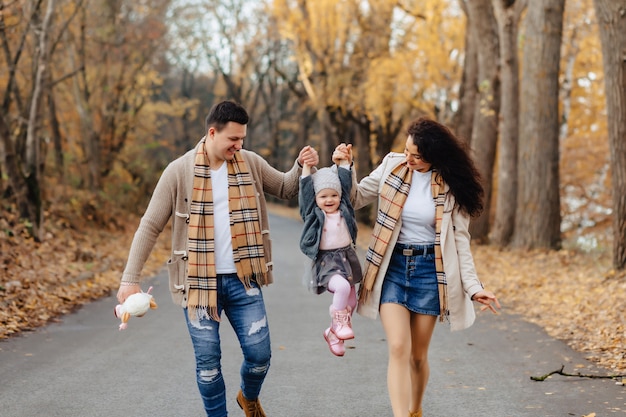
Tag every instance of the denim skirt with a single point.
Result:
(411, 279)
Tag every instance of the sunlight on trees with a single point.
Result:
(129, 84)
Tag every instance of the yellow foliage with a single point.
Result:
(375, 57)
(581, 41)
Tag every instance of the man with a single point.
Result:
(221, 255)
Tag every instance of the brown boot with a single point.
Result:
(251, 408)
(417, 413)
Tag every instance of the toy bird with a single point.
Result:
(135, 305)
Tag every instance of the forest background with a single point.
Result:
(97, 96)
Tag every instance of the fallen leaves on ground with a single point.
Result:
(574, 296)
(78, 262)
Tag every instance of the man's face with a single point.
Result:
(222, 145)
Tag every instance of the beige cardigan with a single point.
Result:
(458, 262)
(172, 199)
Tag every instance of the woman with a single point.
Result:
(419, 264)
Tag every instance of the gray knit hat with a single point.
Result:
(326, 178)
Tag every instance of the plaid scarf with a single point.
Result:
(392, 198)
(245, 229)
(439, 195)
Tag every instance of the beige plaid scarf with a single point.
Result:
(245, 229)
(392, 198)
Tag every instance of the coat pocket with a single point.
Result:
(177, 269)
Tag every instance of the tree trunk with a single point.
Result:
(57, 139)
(462, 122)
(612, 22)
(485, 126)
(507, 15)
(363, 164)
(538, 217)
(33, 145)
(16, 184)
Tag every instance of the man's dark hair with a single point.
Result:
(224, 112)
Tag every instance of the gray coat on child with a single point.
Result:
(314, 217)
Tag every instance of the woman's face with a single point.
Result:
(413, 158)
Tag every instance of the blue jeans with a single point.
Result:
(246, 313)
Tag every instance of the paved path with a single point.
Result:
(84, 366)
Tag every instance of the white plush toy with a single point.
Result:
(135, 305)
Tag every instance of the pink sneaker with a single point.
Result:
(341, 323)
(334, 344)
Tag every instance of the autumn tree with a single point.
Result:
(326, 41)
(612, 23)
(12, 108)
(113, 46)
(572, 32)
(83, 65)
(368, 67)
(33, 145)
(508, 14)
(463, 118)
(486, 113)
(538, 218)
(238, 46)
(24, 34)
(584, 177)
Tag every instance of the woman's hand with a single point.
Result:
(488, 299)
(343, 154)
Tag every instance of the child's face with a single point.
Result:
(328, 200)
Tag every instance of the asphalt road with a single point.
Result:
(84, 366)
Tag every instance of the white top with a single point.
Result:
(418, 214)
(224, 263)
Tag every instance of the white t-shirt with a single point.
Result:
(418, 214)
(224, 263)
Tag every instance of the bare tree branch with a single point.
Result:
(560, 372)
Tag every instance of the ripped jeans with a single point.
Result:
(246, 312)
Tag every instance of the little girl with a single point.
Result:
(328, 239)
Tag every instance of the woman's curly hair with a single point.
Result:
(438, 146)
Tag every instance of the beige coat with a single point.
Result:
(458, 262)
(171, 199)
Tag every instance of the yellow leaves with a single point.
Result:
(373, 57)
(11, 17)
(582, 49)
(148, 79)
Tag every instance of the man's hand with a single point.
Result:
(126, 291)
(308, 156)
